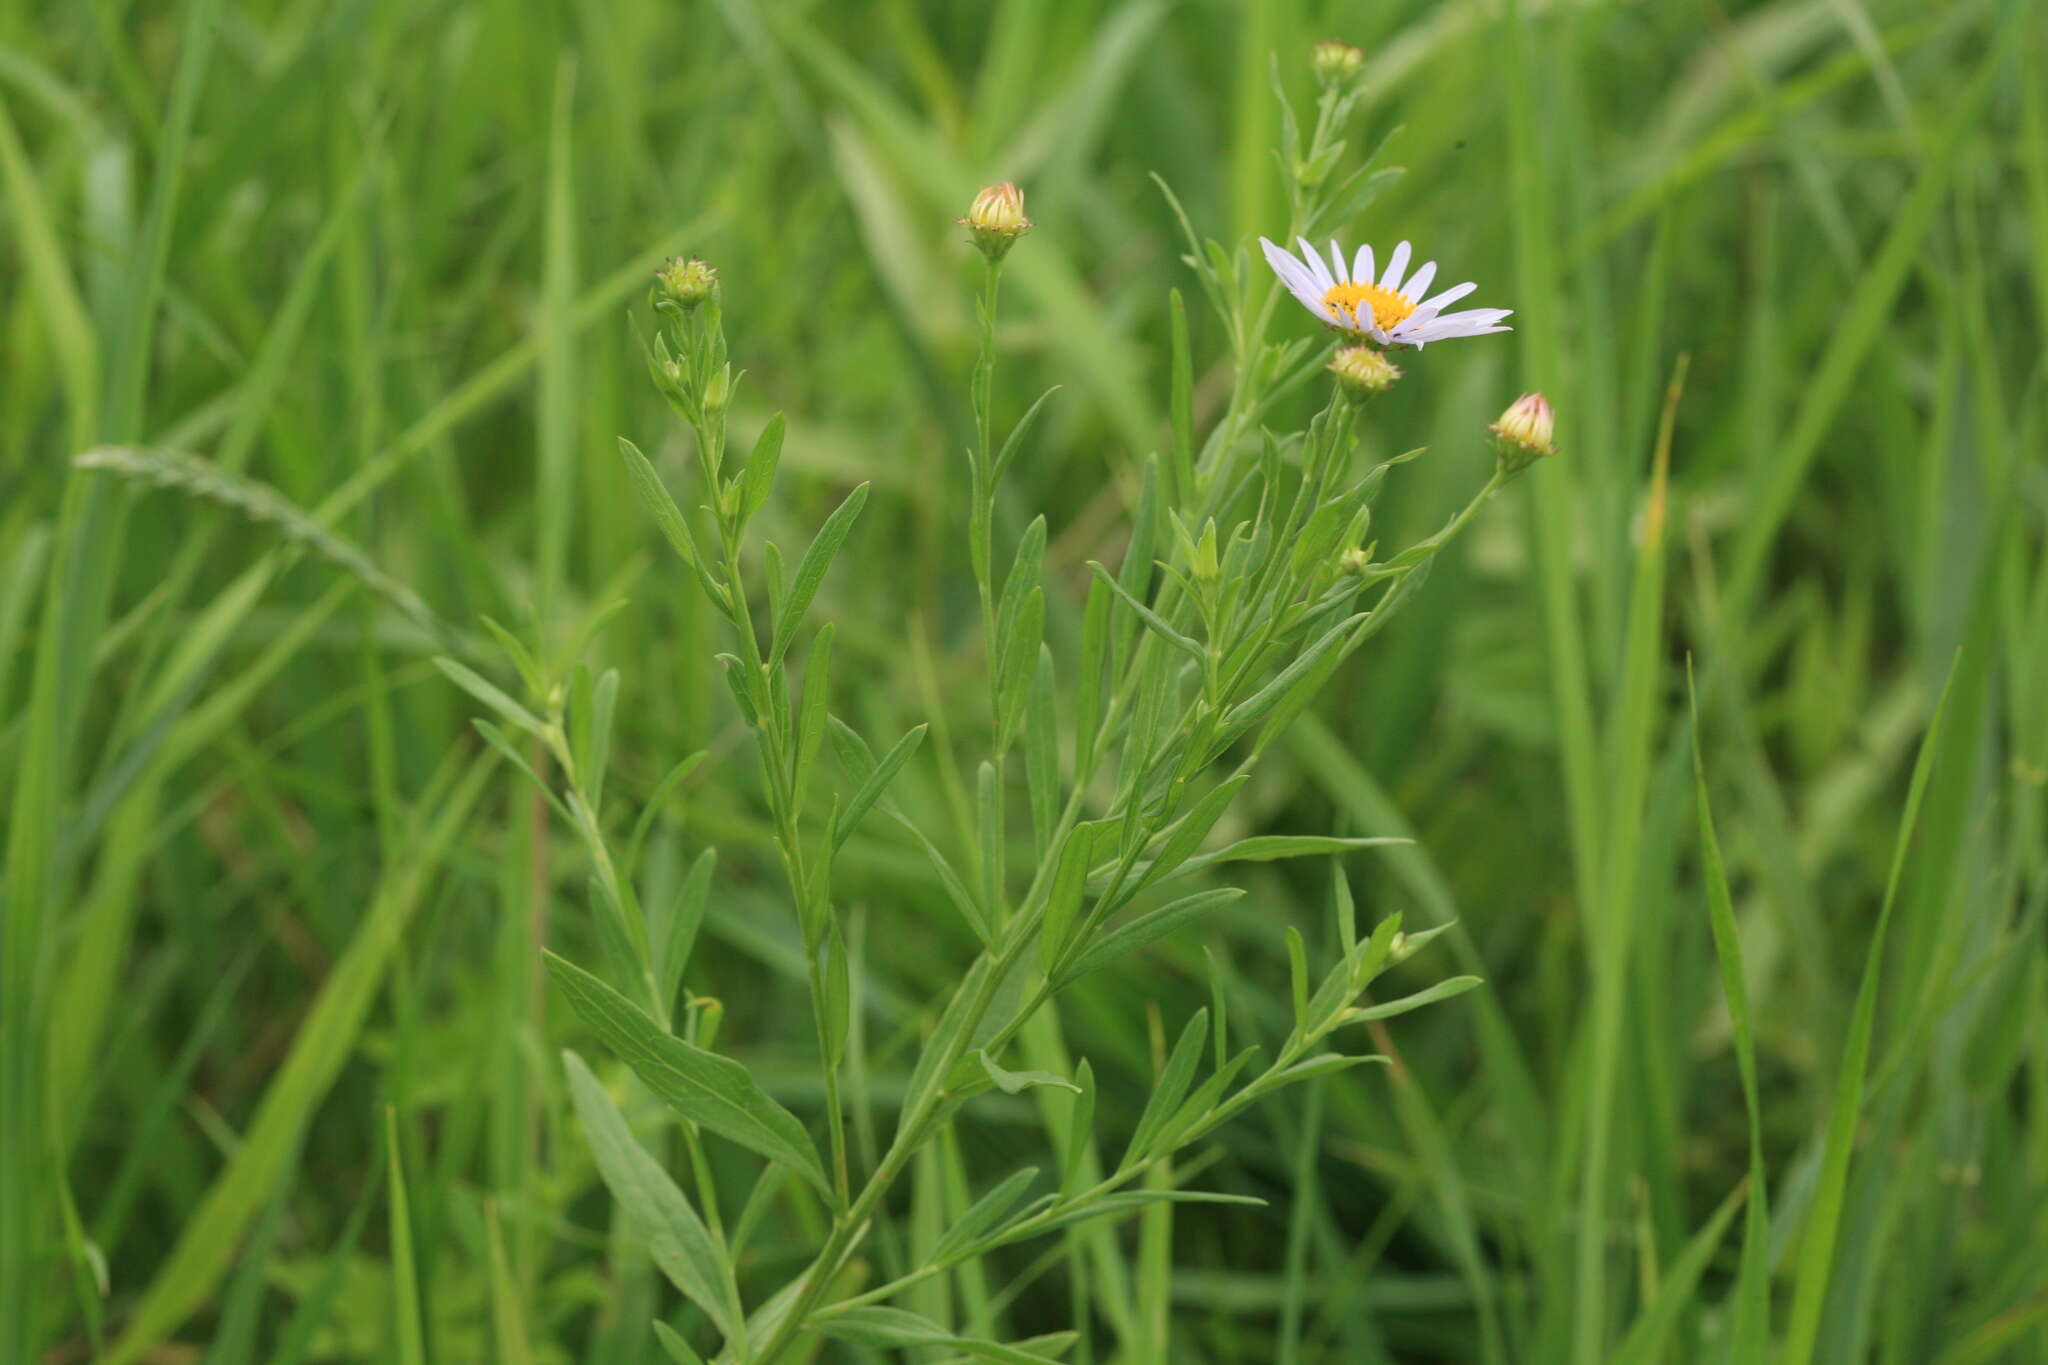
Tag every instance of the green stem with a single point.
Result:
(981, 516)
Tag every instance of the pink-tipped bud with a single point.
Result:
(1523, 434)
(997, 219)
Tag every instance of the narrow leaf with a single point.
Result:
(1442, 990)
(1148, 928)
(1169, 1091)
(811, 571)
(876, 779)
(1151, 619)
(757, 479)
(656, 1211)
(488, 693)
(984, 1215)
(715, 1092)
(1017, 1082)
(654, 496)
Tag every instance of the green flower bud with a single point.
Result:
(1364, 370)
(687, 282)
(1336, 62)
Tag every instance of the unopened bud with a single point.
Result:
(997, 219)
(1522, 435)
(1335, 62)
(719, 390)
(1364, 369)
(1354, 560)
(687, 281)
(1204, 563)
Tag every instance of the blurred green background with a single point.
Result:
(380, 258)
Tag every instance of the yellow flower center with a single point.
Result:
(1367, 305)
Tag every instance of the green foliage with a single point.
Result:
(395, 689)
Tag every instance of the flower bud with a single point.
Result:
(1354, 560)
(686, 282)
(997, 219)
(719, 390)
(1522, 435)
(1364, 370)
(1335, 62)
(1204, 563)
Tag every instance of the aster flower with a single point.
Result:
(1392, 310)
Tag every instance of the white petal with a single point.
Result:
(1396, 263)
(1448, 297)
(1292, 272)
(1315, 263)
(1479, 315)
(1361, 269)
(1419, 281)
(1303, 286)
(1336, 260)
(1457, 325)
(1427, 320)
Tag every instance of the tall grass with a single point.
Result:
(315, 352)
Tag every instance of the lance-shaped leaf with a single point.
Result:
(1015, 442)
(1170, 1090)
(492, 696)
(1025, 572)
(1267, 848)
(1442, 990)
(1069, 884)
(1125, 1201)
(1153, 621)
(888, 1328)
(874, 777)
(654, 496)
(655, 1209)
(1017, 1082)
(758, 478)
(714, 1092)
(1148, 928)
(810, 572)
(1290, 678)
(1187, 834)
(678, 1350)
(986, 1213)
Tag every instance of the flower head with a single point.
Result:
(997, 219)
(1335, 61)
(1391, 310)
(1522, 435)
(1364, 369)
(687, 282)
